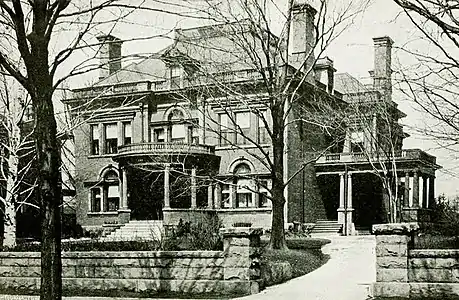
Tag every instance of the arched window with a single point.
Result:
(105, 196)
(244, 186)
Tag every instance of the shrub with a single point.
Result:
(202, 235)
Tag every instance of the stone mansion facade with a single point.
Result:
(145, 151)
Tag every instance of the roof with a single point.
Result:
(347, 84)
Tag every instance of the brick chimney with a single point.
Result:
(325, 73)
(109, 55)
(382, 73)
(302, 37)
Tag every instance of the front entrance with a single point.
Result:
(146, 194)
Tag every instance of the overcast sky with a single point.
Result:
(351, 52)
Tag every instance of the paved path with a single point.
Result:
(346, 276)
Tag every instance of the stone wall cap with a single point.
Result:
(435, 253)
(395, 228)
(240, 231)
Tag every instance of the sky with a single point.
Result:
(351, 51)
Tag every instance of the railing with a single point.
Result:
(165, 148)
(409, 154)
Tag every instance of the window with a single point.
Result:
(95, 200)
(95, 139)
(357, 141)
(244, 186)
(226, 196)
(127, 133)
(113, 197)
(225, 130)
(111, 138)
(106, 197)
(243, 127)
(176, 77)
(179, 132)
(263, 137)
(264, 193)
(159, 135)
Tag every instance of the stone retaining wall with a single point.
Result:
(232, 271)
(404, 272)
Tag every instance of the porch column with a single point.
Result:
(349, 190)
(349, 229)
(167, 171)
(424, 192)
(406, 198)
(210, 195)
(124, 183)
(431, 190)
(218, 195)
(193, 188)
(341, 209)
(416, 189)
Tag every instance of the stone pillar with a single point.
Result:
(167, 171)
(257, 194)
(193, 188)
(341, 209)
(218, 196)
(232, 189)
(241, 247)
(392, 269)
(431, 191)
(406, 198)
(416, 189)
(210, 195)
(124, 192)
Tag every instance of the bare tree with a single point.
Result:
(32, 53)
(431, 82)
(248, 66)
(17, 158)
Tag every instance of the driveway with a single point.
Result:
(346, 276)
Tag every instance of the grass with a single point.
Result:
(302, 261)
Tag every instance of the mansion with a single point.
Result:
(163, 140)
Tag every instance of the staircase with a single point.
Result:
(362, 230)
(146, 230)
(326, 228)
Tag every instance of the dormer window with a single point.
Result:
(176, 77)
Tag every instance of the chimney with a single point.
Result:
(325, 73)
(109, 55)
(382, 73)
(302, 37)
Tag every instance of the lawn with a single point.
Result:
(304, 255)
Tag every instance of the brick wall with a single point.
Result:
(233, 271)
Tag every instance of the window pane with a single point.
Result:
(113, 191)
(243, 119)
(224, 122)
(159, 135)
(127, 129)
(95, 132)
(111, 131)
(178, 131)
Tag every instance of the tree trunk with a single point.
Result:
(277, 240)
(10, 209)
(14, 139)
(49, 183)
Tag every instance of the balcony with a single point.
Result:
(164, 149)
(404, 155)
